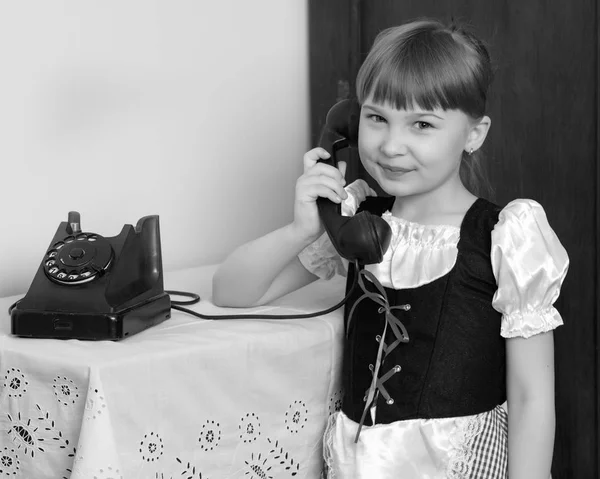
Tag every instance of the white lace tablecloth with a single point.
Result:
(188, 398)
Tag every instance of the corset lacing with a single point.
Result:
(399, 331)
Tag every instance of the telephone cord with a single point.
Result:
(177, 305)
(194, 298)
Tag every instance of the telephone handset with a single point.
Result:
(364, 237)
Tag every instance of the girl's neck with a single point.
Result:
(443, 206)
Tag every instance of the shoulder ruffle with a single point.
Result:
(530, 265)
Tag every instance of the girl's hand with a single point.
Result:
(318, 180)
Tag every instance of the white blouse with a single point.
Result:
(528, 261)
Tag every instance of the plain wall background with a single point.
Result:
(194, 110)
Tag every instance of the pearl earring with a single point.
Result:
(470, 152)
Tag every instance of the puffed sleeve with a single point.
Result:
(530, 265)
(320, 257)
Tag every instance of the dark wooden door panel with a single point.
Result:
(542, 145)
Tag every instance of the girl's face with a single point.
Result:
(412, 152)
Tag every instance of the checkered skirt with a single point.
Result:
(486, 451)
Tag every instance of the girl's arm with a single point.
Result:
(531, 416)
(262, 270)
(267, 268)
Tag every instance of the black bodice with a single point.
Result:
(454, 361)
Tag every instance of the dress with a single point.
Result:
(424, 359)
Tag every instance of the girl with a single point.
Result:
(458, 317)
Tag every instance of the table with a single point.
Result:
(188, 398)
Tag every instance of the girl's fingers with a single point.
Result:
(316, 172)
(311, 161)
(311, 157)
(326, 170)
(314, 185)
(325, 192)
(318, 190)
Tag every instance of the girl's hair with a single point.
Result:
(428, 64)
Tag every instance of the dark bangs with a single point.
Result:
(424, 67)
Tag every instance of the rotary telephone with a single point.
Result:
(91, 287)
(364, 237)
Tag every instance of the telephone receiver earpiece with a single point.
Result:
(342, 120)
(363, 237)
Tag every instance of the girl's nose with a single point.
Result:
(393, 144)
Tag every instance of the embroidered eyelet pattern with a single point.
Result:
(210, 435)
(190, 471)
(15, 383)
(249, 427)
(151, 447)
(108, 473)
(296, 416)
(258, 468)
(69, 471)
(95, 403)
(283, 458)
(40, 433)
(9, 462)
(48, 424)
(335, 401)
(24, 435)
(65, 390)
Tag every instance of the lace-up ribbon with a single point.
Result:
(399, 331)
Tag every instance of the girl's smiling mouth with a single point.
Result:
(394, 170)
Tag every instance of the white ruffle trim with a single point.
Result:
(322, 260)
(328, 466)
(529, 323)
(418, 254)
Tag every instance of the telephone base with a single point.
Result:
(91, 326)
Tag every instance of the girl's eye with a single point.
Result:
(423, 125)
(376, 118)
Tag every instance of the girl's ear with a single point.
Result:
(477, 134)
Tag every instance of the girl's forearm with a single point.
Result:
(247, 273)
(531, 426)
